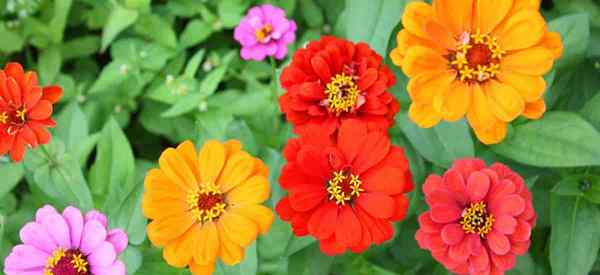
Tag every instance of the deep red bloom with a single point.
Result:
(347, 190)
(331, 80)
(480, 218)
(25, 110)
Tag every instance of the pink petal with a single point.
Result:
(26, 257)
(467, 166)
(118, 238)
(74, 219)
(35, 235)
(504, 262)
(96, 215)
(456, 184)
(44, 212)
(117, 268)
(522, 232)
(452, 234)
(498, 243)
(432, 183)
(512, 205)
(445, 214)
(498, 191)
(505, 224)
(427, 224)
(475, 245)
(478, 185)
(519, 248)
(459, 252)
(480, 261)
(94, 234)
(103, 255)
(58, 229)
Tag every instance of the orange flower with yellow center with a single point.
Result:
(479, 58)
(206, 206)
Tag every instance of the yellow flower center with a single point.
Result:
(207, 203)
(343, 187)
(342, 93)
(15, 118)
(262, 33)
(477, 57)
(67, 262)
(476, 220)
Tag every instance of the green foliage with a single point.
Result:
(142, 75)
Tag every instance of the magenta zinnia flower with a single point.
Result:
(265, 31)
(67, 244)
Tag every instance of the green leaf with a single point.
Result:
(119, 19)
(50, 62)
(153, 263)
(575, 33)
(58, 175)
(11, 173)
(195, 32)
(129, 215)
(11, 41)
(112, 75)
(212, 124)
(313, 15)
(249, 264)
(373, 21)
(59, 20)
(238, 129)
(560, 139)
(112, 176)
(132, 258)
(192, 66)
(441, 144)
(72, 128)
(590, 111)
(155, 28)
(80, 47)
(310, 261)
(586, 186)
(574, 240)
(231, 12)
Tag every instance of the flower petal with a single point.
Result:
(35, 235)
(23, 257)
(349, 230)
(207, 244)
(229, 252)
(415, 17)
(74, 219)
(498, 243)
(535, 109)
(239, 229)
(255, 190)
(453, 103)
(531, 88)
(456, 14)
(505, 224)
(323, 221)
(169, 228)
(489, 15)
(103, 255)
(532, 61)
(478, 186)
(211, 160)
(262, 216)
(512, 205)
(425, 116)
(376, 204)
(118, 238)
(352, 134)
(521, 30)
(238, 168)
(445, 214)
(452, 234)
(94, 234)
(504, 101)
(42, 110)
(374, 149)
(423, 88)
(420, 60)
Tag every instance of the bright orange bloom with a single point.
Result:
(482, 59)
(25, 111)
(206, 206)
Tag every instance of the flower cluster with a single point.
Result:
(483, 60)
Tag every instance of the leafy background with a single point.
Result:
(142, 75)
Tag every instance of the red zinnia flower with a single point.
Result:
(333, 79)
(344, 192)
(25, 110)
(480, 219)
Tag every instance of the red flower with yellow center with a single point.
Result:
(25, 111)
(480, 219)
(345, 192)
(481, 59)
(331, 80)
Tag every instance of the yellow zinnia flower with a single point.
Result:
(480, 58)
(206, 206)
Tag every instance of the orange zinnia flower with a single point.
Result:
(482, 59)
(206, 206)
(25, 111)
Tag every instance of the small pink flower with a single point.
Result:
(67, 244)
(265, 31)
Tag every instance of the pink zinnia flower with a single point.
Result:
(67, 244)
(480, 219)
(265, 31)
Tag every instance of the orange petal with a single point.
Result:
(160, 232)
(187, 151)
(176, 169)
(504, 101)
(416, 15)
(424, 115)
(240, 229)
(202, 269)
(52, 93)
(211, 160)
(531, 88)
(456, 14)
(535, 109)
(238, 168)
(490, 14)
(533, 61)
(232, 146)
(32, 97)
(424, 87)
(440, 35)
(18, 149)
(160, 208)
(179, 252)
(420, 60)
(207, 247)
(42, 110)
(255, 190)
(552, 42)
(229, 252)
(157, 181)
(493, 134)
(260, 168)
(479, 114)
(262, 216)
(521, 30)
(525, 4)
(453, 102)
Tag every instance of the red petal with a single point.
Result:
(421, 238)
(14, 91)
(18, 149)
(323, 222)
(6, 142)
(351, 136)
(456, 184)
(42, 110)
(373, 150)
(512, 205)
(432, 183)
(348, 232)
(52, 93)
(290, 151)
(478, 185)
(15, 71)
(314, 162)
(452, 234)
(505, 224)
(522, 232)
(428, 225)
(4, 94)
(504, 262)
(387, 180)
(381, 230)
(300, 223)
(311, 90)
(441, 198)
(376, 204)
(331, 247)
(292, 175)
(481, 261)
(284, 209)
(321, 68)
(367, 79)
(445, 214)
(498, 243)
(30, 80)
(305, 197)
(467, 166)
(475, 245)
(401, 203)
(459, 252)
(501, 190)
(32, 97)
(519, 248)
(29, 136)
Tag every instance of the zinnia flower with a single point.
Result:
(344, 192)
(331, 80)
(482, 59)
(481, 218)
(206, 206)
(25, 111)
(67, 244)
(265, 31)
